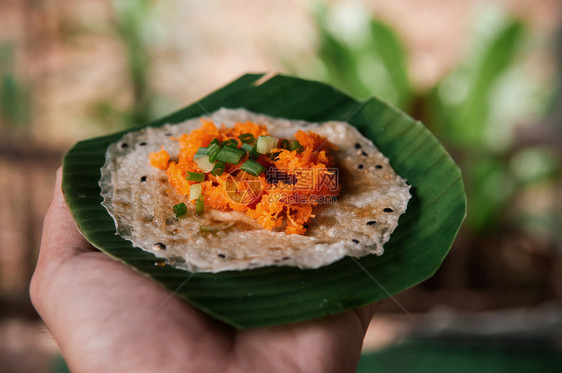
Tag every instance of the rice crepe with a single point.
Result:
(139, 199)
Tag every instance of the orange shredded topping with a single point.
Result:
(280, 198)
(159, 159)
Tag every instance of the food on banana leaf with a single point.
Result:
(236, 190)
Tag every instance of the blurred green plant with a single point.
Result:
(359, 55)
(132, 16)
(474, 110)
(463, 101)
(15, 96)
(130, 24)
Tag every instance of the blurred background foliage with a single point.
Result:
(475, 110)
(488, 90)
(15, 99)
(129, 26)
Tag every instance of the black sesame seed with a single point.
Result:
(142, 143)
(168, 134)
(143, 179)
(371, 222)
(357, 145)
(124, 145)
(221, 256)
(355, 241)
(364, 154)
(387, 209)
(286, 258)
(159, 246)
(360, 166)
(378, 166)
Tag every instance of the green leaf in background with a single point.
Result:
(372, 63)
(387, 46)
(466, 95)
(279, 295)
(490, 186)
(476, 109)
(495, 61)
(132, 17)
(534, 165)
(15, 98)
(340, 63)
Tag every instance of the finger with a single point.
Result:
(365, 314)
(338, 339)
(61, 238)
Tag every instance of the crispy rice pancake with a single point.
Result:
(140, 200)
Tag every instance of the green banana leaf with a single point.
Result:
(279, 295)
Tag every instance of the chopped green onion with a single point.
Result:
(274, 156)
(230, 154)
(295, 145)
(194, 191)
(266, 143)
(215, 141)
(180, 209)
(212, 152)
(252, 167)
(195, 176)
(199, 206)
(252, 152)
(284, 144)
(218, 169)
(204, 163)
(200, 153)
(231, 142)
(247, 138)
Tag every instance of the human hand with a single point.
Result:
(105, 317)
